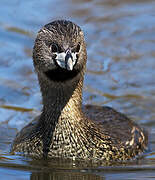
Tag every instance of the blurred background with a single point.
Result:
(120, 37)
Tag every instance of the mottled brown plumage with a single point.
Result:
(65, 128)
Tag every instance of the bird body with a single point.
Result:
(65, 128)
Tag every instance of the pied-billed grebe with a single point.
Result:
(64, 128)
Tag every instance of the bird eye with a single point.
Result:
(78, 48)
(54, 48)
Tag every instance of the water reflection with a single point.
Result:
(64, 175)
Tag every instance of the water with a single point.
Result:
(120, 73)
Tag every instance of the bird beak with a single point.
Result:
(66, 60)
(69, 61)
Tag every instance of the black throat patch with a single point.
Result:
(61, 75)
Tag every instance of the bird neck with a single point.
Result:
(61, 100)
